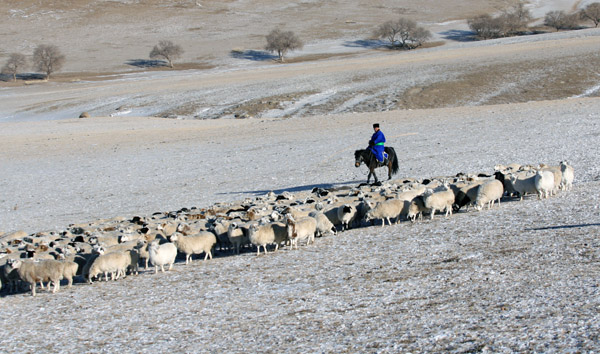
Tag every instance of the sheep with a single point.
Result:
(416, 208)
(385, 210)
(544, 183)
(557, 177)
(9, 277)
(488, 193)
(69, 271)
(508, 187)
(168, 228)
(262, 235)
(236, 236)
(96, 251)
(161, 255)
(115, 263)
(346, 215)
(142, 249)
(220, 230)
(465, 195)
(42, 271)
(134, 260)
(301, 229)
(202, 241)
(568, 174)
(324, 226)
(439, 200)
(523, 184)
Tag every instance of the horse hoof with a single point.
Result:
(376, 184)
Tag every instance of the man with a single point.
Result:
(376, 144)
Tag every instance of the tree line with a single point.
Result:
(515, 20)
(402, 33)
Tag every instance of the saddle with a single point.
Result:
(385, 160)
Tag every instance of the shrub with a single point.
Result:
(402, 32)
(561, 20)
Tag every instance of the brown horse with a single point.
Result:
(368, 158)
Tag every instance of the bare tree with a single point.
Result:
(515, 18)
(560, 20)
(282, 41)
(591, 12)
(486, 26)
(404, 31)
(48, 59)
(15, 62)
(166, 50)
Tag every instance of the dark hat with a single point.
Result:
(376, 125)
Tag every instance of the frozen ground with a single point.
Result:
(519, 278)
(523, 277)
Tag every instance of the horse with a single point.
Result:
(368, 158)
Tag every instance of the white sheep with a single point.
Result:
(488, 193)
(236, 236)
(544, 183)
(324, 225)
(385, 210)
(69, 271)
(202, 241)
(42, 271)
(161, 255)
(441, 200)
(346, 215)
(568, 174)
(557, 177)
(301, 229)
(262, 235)
(113, 263)
(523, 184)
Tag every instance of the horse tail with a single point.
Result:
(394, 158)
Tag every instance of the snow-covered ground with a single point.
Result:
(522, 277)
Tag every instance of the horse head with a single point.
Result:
(358, 158)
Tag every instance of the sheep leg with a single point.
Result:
(147, 259)
(155, 269)
(33, 286)
(170, 266)
(56, 286)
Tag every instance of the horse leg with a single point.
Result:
(390, 169)
(369, 176)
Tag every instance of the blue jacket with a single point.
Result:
(376, 144)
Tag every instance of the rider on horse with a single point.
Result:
(376, 144)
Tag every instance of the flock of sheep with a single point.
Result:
(114, 248)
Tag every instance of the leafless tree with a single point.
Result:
(282, 41)
(402, 32)
(166, 50)
(486, 26)
(15, 62)
(560, 20)
(48, 59)
(592, 13)
(515, 18)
